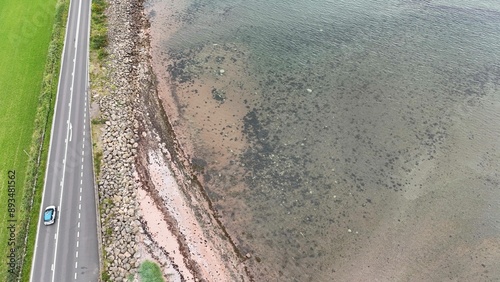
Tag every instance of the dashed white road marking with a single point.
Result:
(71, 132)
(80, 198)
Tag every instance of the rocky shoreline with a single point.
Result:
(117, 183)
(145, 179)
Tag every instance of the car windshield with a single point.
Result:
(48, 215)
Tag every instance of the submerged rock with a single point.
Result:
(218, 95)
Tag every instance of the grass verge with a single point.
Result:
(99, 30)
(98, 83)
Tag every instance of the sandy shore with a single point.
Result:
(175, 228)
(181, 231)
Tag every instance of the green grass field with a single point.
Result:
(25, 33)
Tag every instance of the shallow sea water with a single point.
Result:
(344, 140)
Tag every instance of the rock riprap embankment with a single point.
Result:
(117, 182)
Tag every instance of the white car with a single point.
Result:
(49, 215)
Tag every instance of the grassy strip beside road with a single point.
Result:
(98, 85)
(29, 68)
(99, 30)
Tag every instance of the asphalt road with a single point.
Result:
(68, 249)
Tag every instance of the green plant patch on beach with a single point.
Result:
(29, 66)
(150, 272)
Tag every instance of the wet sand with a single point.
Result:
(209, 128)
